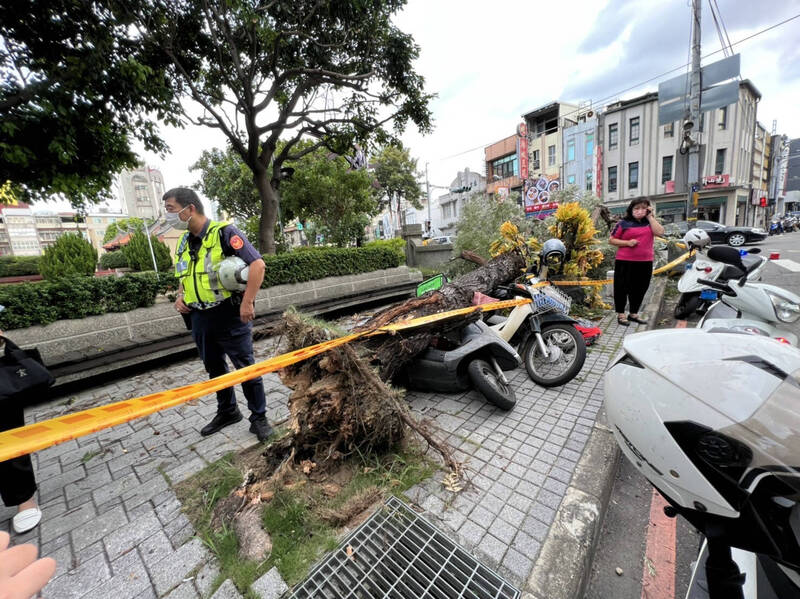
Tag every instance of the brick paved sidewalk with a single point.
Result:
(115, 528)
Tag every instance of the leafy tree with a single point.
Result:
(137, 253)
(133, 223)
(77, 87)
(227, 180)
(480, 221)
(337, 199)
(115, 259)
(396, 173)
(70, 255)
(329, 72)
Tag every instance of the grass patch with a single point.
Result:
(305, 517)
(90, 454)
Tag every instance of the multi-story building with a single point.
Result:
(451, 205)
(24, 232)
(546, 143)
(503, 166)
(643, 160)
(778, 172)
(97, 223)
(793, 166)
(580, 157)
(754, 212)
(141, 191)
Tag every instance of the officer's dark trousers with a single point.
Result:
(219, 332)
(17, 483)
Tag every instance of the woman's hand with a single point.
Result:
(632, 243)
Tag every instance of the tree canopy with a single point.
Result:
(331, 72)
(77, 87)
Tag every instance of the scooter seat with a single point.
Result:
(730, 272)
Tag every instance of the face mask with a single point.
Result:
(174, 219)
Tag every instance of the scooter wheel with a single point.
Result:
(687, 305)
(485, 379)
(570, 348)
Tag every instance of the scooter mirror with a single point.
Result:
(754, 250)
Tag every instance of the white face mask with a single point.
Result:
(174, 219)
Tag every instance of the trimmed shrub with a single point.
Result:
(16, 266)
(396, 244)
(70, 255)
(317, 263)
(137, 253)
(115, 259)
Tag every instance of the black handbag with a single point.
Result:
(22, 373)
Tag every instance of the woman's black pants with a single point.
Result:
(17, 482)
(631, 280)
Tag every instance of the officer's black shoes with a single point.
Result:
(220, 421)
(261, 428)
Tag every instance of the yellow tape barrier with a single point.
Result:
(40, 435)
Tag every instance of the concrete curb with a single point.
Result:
(562, 568)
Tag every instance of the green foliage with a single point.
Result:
(310, 264)
(134, 223)
(40, 303)
(337, 199)
(137, 253)
(15, 266)
(78, 83)
(228, 181)
(71, 254)
(397, 245)
(396, 173)
(115, 259)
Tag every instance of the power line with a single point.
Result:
(637, 85)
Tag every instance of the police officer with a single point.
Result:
(221, 320)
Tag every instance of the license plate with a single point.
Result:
(708, 294)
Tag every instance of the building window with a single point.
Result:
(719, 166)
(589, 179)
(551, 155)
(612, 178)
(571, 180)
(536, 159)
(669, 129)
(589, 144)
(723, 117)
(666, 169)
(571, 150)
(633, 175)
(613, 139)
(634, 131)
(505, 167)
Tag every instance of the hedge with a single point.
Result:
(29, 304)
(15, 266)
(115, 259)
(41, 303)
(317, 263)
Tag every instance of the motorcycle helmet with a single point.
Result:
(710, 419)
(554, 253)
(696, 238)
(233, 273)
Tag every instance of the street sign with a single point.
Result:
(719, 87)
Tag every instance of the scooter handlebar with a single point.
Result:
(718, 286)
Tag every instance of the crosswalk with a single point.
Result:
(787, 264)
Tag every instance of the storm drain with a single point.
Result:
(397, 553)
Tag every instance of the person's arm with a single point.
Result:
(255, 277)
(656, 226)
(621, 243)
(180, 305)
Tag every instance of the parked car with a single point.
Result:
(735, 236)
(443, 239)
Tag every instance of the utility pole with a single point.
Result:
(428, 195)
(693, 170)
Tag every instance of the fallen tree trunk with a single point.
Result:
(341, 402)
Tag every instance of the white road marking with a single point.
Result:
(787, 264)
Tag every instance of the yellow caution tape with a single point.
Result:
(40, 435)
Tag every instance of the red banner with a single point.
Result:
(522, 150)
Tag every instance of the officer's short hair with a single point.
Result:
(184, 196)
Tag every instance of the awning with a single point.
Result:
(664, 208)
(718, 201)
(617, 209)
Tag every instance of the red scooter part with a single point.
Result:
(590, 332)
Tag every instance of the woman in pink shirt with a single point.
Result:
(633, 236)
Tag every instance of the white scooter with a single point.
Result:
(696, 297)
(745, 306)
(711, 420)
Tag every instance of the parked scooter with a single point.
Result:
(775, 227)
(711, 420)
(552, 348)
(696, 297)
(756, 308)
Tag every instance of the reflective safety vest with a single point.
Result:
(199, 274)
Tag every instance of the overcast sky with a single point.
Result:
(489, 62)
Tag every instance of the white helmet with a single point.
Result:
(696, 238)
(233, 273)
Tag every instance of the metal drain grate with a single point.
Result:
(397, 553)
